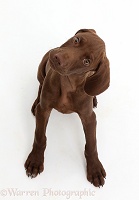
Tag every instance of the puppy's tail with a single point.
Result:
(95, 102)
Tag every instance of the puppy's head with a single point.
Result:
(84, 53)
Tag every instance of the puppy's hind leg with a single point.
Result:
(36, 102)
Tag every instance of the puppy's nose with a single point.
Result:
(58, 59)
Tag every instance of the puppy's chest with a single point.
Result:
(65, 100)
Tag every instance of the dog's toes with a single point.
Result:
(101, 180)
(96, 174)
(32, 171)
(98, 181)
(29, 171)
(41, 168)
(34, 164)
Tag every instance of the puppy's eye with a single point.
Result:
(76, 40)
(86, 62)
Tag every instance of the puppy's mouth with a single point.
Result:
(57, 68)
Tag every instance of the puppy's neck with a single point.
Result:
(71, 82)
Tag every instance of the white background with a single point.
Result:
(28, 29)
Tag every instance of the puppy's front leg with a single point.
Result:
(33, 109)
(35, 160)
(95, 170)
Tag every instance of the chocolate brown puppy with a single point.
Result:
(70, 77)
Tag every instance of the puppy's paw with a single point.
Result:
(96, 173)
(34, 164)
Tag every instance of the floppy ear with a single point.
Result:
(99, 82)
(85, 30)
(43, 68)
